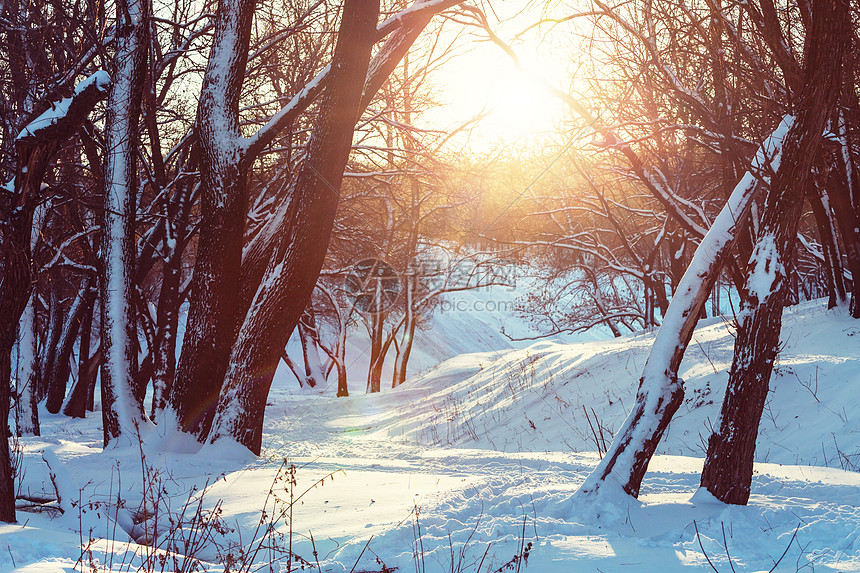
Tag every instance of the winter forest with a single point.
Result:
(429, 285)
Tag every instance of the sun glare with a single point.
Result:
(518, 111)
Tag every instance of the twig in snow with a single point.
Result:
(790, 541)
(360, 554)
(726, 545)
(699, 539)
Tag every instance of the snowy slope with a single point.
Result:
(463, 322)
(536, 399)
(465, 465)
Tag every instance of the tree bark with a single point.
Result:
(818, 200)
(26, 410)
(76, 405)
(839, 192)
(377, 356)
(401, 361)
(214, 312)
(57, 372)
(727, 473)
(310, 354)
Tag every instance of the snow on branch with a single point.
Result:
(419, 10)
(682, 310)
(286, 115)
(61, 117)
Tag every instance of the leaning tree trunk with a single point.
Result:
(729, 463)
(57, 372)
(295, 265)
(76, 404)
(660, 391)
(122, 412)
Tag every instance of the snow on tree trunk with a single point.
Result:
(122, 412)
(26, 413)
(832, 258)
(213, 309)
(164, 366)
(660, 391)
(727, 473)
(295, 264)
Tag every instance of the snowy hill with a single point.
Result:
(467, 464)
(463, 322)
(548, 396)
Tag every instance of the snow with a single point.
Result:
(490, 447)
(766, 269)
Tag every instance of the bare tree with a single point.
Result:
(729, 463)
(122, 410)
(35, 144)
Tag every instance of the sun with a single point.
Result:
(516, 108)
(520, 108)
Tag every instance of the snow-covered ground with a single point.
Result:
(476, 460)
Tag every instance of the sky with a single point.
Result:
(483, 78)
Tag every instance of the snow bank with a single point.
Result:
(476, 462)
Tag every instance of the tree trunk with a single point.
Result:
(167, 317)
(93, 368)
(51, 340)
(660, 391)
(374, 369)
(340, 365)
(818, 200)
(729, 463)
(405, 349)
(57, 372)
(76, 405)
(838, 187)
(122, 412)
(7, 485)
(310, 354)
(214, 312)
(294, 267)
